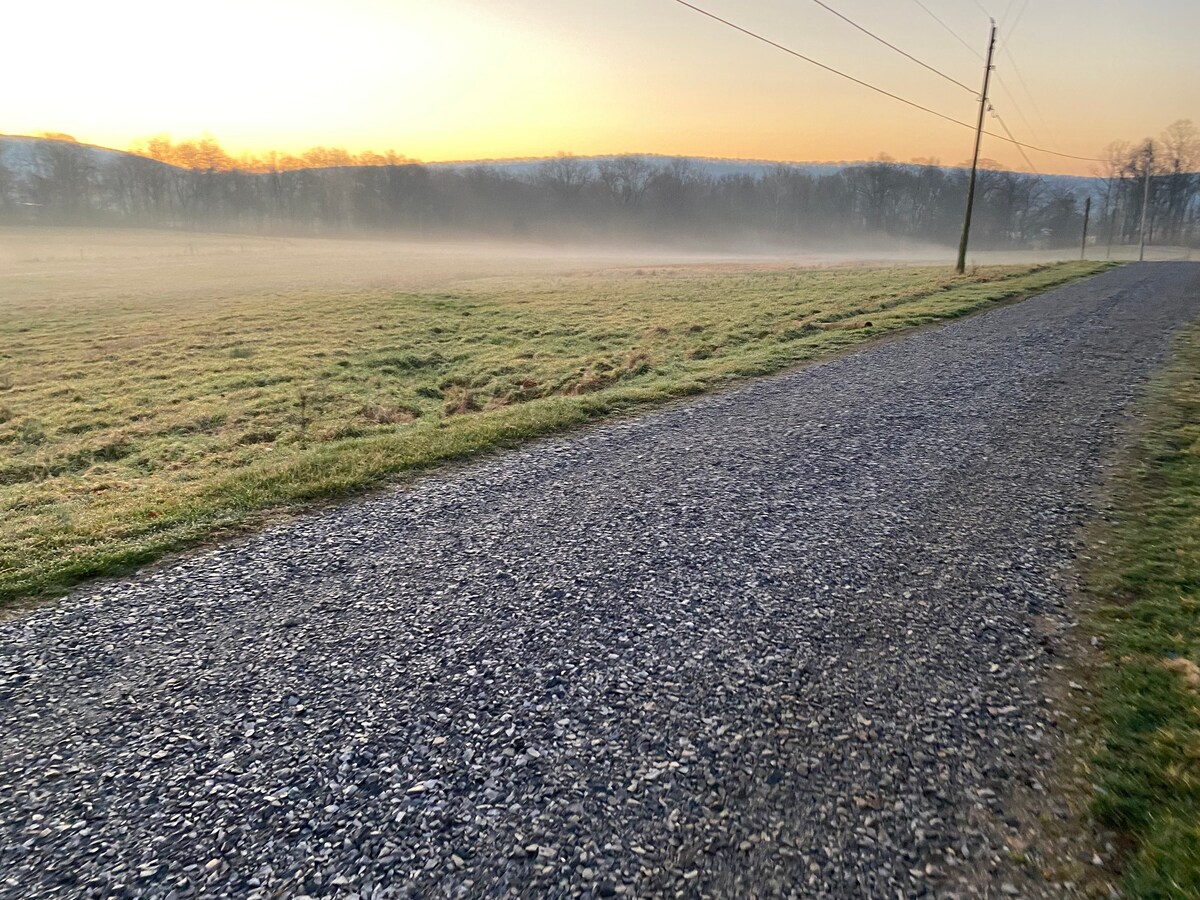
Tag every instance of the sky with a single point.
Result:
(490, 79)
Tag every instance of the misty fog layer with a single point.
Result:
(615, 199)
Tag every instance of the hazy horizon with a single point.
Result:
(883, 156)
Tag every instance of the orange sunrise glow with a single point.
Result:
(467, 79)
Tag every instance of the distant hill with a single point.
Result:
(709, 167)
(24, 157)
(30, 157)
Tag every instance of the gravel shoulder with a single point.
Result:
(785, 641)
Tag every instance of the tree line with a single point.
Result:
(329, 191)
(206, 155)
(1164, 172)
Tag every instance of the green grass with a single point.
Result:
(1148, 769)
(131, 428)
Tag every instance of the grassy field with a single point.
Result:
(1148, 770)
(140, 414)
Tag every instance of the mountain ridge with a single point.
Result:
(712, 166)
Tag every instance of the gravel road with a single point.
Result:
(778, 642)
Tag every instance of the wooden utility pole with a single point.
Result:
(983, 99)
(1087, 214)
(1145, 202)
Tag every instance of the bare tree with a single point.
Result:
(626, 178)
(65, 182)
(6, 186)
(1113, 171)
(1179, 152)
(566, 175)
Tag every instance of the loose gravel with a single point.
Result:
(778, 642)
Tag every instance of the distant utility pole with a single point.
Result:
(983, 99)
(1110, 216)
(1112, 229)
(1087, 214)
(1145, 201)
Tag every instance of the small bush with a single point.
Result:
(31, 433)
(588, 382)
(639, 362)
(460, 400)
(258, 437)
(403, 362)
(202, 424)
(384, 414)
(528, 389)
(497, 402)
(339, 432)
(110, 451)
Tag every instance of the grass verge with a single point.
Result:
(131, 427)
(1148, 582)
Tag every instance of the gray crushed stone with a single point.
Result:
(777, 642)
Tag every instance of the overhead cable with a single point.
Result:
(1028, 93)
(808, 59)
(951, 31)
(820, 65)
(903, 53)
(1024, 155)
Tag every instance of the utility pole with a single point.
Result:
(983, 99)
(1145, 202)
(1110, 216)
(1087, 214)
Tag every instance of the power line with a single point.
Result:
(1037, 110)
(952, 32)
(868, 85)
(1017, 20)
(820, 65)
(1024, 155)
(1044, 128)
(906, 55)
(1013, 101)
(1043, 149)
